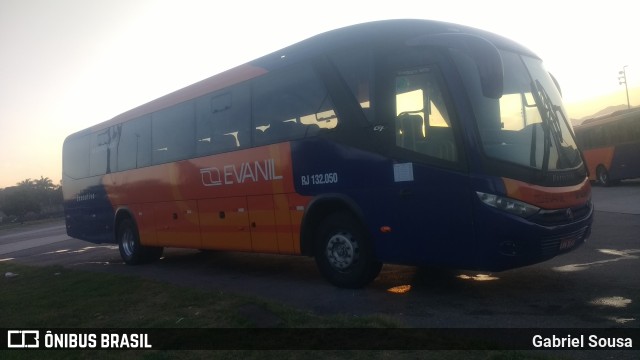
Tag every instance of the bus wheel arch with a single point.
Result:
(128, 240)
(319, 209)
(334, 233)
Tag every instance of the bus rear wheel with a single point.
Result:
(343, 253)
(131, 251)
(603, 176)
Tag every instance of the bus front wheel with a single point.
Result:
(131, 251)
(343, 253)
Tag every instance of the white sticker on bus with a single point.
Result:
(403, 172)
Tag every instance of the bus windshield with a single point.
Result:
(528, 124)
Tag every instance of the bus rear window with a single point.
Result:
(76, 157)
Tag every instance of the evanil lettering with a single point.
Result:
(240, 173)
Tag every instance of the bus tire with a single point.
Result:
(131, 251)
(343, 252)
(603, 176)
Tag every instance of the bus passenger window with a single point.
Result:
(134, 147)
(222, 121)
(422, 122)
(355, 67)
(291, 104)
(173, 133)
(98, 160)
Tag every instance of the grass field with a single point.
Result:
(56, 297)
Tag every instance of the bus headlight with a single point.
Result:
(509, 205)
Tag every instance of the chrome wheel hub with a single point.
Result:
(342, 251)
(128, 242)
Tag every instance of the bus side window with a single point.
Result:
(422, 123)
(98, 160)
(223, 121)
(134, 146)
(173, 133)
(355, 67)
(290, 104)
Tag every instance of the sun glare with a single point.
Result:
(400, 289)
(478, 277)
(612, 301)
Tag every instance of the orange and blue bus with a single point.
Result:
(611, 146)
(401, 141)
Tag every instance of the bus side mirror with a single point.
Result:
(483, 53)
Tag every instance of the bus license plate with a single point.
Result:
(566, 244)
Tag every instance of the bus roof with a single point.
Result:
(607, 119)
(379, 33)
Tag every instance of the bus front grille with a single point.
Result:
(561, 216)
(552, 245)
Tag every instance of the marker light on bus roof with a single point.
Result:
(509, 205)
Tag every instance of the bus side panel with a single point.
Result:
(177, 224)
(325, 168)
(208, 202)
(433, 222)
(262, 221)
(297, 205)
(626, 162)
(284, 228)
(224, 224)
(256, 171)
(143, 216)
(88, 211)
(595, 157)
(426, 210)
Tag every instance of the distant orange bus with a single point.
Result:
(611, 146)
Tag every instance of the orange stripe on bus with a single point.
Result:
(243, 200)
(549, 197)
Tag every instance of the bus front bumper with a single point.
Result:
(512, 242)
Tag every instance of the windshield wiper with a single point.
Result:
(544, 115)
(552, 112)
(550, 123)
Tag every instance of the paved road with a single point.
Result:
(597, 285)
(36, 236)
(622, 199)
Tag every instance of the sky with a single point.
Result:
(68, 64)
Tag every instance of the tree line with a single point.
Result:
(30, 199)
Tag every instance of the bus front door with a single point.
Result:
(433, 203)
